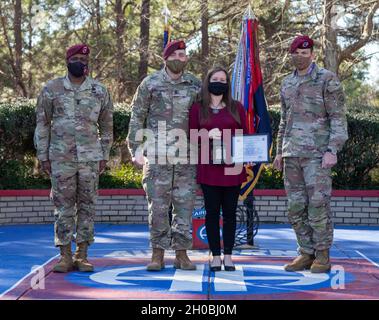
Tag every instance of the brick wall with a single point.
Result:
(129, 206)
(348, 207)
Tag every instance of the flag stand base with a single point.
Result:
(247, 223)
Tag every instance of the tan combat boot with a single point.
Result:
(157, 262)
(65, 263)
(80, 258)
(302, 262)
(322, 262)
(182, 261)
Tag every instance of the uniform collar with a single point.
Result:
(167, 78)
(312, 72)
(84, 86)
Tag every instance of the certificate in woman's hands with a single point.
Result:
(250, 148)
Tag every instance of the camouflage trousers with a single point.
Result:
(73, 192)
(309, 188)
(165, 185)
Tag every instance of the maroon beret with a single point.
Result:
(301, 42)
(78, 48)
(173, 46)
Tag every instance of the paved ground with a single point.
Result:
(121, 252)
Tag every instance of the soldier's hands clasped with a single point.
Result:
(46, 167)
(102, 165)
(138, 161)
(329, 160)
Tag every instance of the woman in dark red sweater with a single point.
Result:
(219, 115)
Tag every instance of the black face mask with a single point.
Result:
(77, 69)
(218, 88)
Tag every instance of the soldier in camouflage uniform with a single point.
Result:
(312, 129)
(73, 138)
(164, 98)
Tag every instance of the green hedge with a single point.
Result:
(358, 166)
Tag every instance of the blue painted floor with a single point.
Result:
(24, 246)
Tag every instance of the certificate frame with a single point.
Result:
(259, 139)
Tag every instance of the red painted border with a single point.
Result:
(121, 192)
(269, 192)
(355, 193)
(25, 193)
(141, 192)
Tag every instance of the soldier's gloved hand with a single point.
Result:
(329, 160)
(46, 167)
(138, 160)
(215, 133)
(278, 162)
(102, 165)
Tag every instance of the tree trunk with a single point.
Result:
(120, 33)
(329, 44)
(18, 46)
(204, 37)
(144, 39)
(98, 32)
(30, 55)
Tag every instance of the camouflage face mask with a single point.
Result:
(300, 62)
(176, 66)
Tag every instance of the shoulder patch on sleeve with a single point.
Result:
(333, 84)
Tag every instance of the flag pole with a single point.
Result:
(251, 214)
(249, 13)
(166, 14)
(249, 200)
(167, 32)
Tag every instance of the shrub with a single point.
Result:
(125, 176)
(357, 168)
(360, 155)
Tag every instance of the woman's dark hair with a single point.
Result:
(231, 105)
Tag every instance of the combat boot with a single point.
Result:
(302, 262)
(80, 258)
(322, 262)
(65, 263)
(182, 261)
(157, 263)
